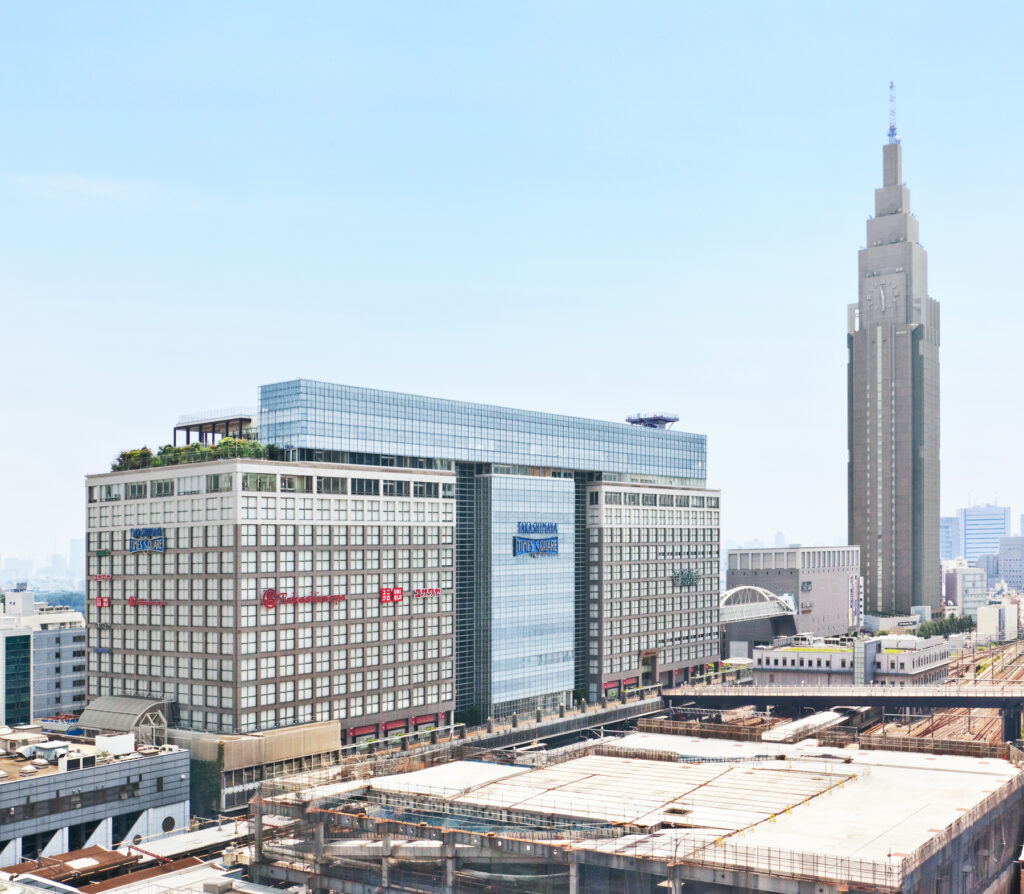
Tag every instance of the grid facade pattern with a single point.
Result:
(271, 601)
(981, 528)
(527, 599)
(17, 679)
(653, 586)
(58, 670)
(465, 586)
(324, 416)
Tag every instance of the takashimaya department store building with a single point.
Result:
(396, 558)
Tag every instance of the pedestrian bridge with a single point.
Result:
(751, 604)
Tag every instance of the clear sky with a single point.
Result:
(588, 208)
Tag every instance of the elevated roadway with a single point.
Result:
(1008, 699)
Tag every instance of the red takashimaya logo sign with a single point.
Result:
(272, 598)
(133, 601)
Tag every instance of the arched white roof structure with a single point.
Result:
(752, 604)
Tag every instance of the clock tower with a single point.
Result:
(893, 406)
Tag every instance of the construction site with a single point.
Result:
(649, 811)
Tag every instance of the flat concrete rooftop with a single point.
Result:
(872, 806)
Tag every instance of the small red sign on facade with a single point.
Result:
(428, 591)
(391, 594)
(101, 577)
(272, 598)
(385, 594)
(102, 602)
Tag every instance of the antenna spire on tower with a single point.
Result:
(893, 136)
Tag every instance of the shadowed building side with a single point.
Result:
(893, 406)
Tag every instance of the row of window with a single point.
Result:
(321, 661)
(621, 604)
(434, 696)
(615, 664)
(194, 641)
(646, 623)
(224, 590)
(267, 509)
(674, 534)
(632, 645)
(844, 663)
(627, 516)
(635, 498)
(202, 536)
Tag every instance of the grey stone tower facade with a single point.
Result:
(893, 406)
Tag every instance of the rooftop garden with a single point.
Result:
(169, 455)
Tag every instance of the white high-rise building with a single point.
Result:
(42, 659)
(980, 530)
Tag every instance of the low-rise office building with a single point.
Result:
(42, 659)
(966, 588)
(884, 660)
(60, 796)
(998, 621)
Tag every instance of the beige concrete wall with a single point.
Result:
(261, 748)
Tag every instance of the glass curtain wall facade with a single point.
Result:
(503, 458)
(324, 416)
(525, 592)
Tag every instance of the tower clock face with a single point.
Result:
(885, 293)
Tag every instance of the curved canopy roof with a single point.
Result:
(123, 713)
(751, 604)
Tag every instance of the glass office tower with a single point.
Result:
(531, 623)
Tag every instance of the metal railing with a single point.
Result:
(954, 689)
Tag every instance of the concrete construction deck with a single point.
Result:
(874, 806)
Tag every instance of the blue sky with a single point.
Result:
(589, 208)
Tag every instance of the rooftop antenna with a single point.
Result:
(893, 136)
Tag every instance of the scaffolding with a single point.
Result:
(406, 836)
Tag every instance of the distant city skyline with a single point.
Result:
(444, 200)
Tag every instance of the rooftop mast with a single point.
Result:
(893, 136)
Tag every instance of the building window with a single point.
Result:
(426, 489)
(254, 481)
(163, 488)
(329, 485)
(366, 487)
(137, 490)
(396, 488)
(219, 483)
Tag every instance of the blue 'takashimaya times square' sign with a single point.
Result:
(535, 546)
(146, 540)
